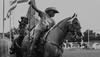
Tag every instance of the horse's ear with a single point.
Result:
(70, 19)
(73, 15)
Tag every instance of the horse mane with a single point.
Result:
(62, 21)
(68, 19)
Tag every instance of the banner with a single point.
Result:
(31, 15)
(13, 5)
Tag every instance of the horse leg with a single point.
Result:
(52, 51)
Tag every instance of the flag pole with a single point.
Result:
(3, 17)
(10, 26)
(88, 37)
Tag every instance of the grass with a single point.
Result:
(81, 53)
(75, 52)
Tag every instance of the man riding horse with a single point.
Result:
(45, 23)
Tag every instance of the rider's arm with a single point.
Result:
(52, 24)
(41, 14)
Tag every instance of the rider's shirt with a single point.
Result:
(45, 23)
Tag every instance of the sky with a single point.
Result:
(88, 12)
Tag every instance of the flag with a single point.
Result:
(13, 2)
(31, 15)
(22, 1)
(9, 11)
(18, 1)
(13, 5)
(31, 11)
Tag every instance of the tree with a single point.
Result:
(85, 37)
(98, 36)
(92, 35)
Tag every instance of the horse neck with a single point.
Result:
(60, 36)
(61, 26)
(62, 40)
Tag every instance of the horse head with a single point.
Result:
(72, 25)
(75, 28)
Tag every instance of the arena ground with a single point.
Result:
(81, 53)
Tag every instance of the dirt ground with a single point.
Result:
(81, 53)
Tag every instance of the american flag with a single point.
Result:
(13, 5)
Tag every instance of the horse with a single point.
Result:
(55, 37)
(16, 46)
(51, 43)
(5, 44)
